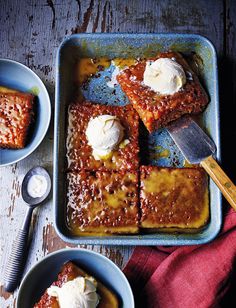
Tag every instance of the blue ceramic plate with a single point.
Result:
(41, 276)
(198, 49)
(17, 76)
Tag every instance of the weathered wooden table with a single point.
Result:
(31, 31)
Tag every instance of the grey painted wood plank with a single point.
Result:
(31, 31)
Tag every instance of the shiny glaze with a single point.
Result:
(79, 152)
(16, 112)
(87, 67)
(102, 201)
(69, 272)
(174, 197)
(157, 110)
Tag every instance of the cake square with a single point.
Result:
(16, 112)
(158, 110)
(102, 202)
(79, 152)
(70, 271)
(174, 198)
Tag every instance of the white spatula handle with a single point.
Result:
(225, 185)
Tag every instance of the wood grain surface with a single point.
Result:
(31, 31)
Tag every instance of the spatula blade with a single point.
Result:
(192, 141)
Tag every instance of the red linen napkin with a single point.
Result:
(188, 276)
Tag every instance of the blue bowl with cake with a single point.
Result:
(25, 111)
(111, 285)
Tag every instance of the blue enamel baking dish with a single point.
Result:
(133, 46)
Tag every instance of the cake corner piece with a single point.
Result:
(102, 202)
(174, 199)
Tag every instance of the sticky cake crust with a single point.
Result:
(16, 113)
(157, 110)
(102, 202)
(79, 152)
(105, 196)
(173, 197)
(69, 272)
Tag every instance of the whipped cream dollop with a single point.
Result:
(104, 134)
(37, 186)
(77, 293)
(164, 76)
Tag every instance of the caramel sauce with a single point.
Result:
(114, 200)
(101, 232)
(124, 143)
(87, 67)
(108, 298)
(107, 156)
(154, 183)
(158, 152)
(7, 90)
(164, 185)
(186, 164)
(122, 63)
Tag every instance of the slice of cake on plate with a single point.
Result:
(16, 114)
(74, 285)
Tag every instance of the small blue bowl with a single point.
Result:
(41, 276)
(17, 76)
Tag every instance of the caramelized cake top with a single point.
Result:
(157, 110)
(174, 197)
(69, 272)
(79, 152)
(16, 111)
(102, 202)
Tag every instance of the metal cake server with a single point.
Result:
(18, 256)
(198, 148)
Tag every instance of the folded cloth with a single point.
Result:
(188, 276)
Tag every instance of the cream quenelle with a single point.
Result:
(104, 134)
(77, 293)
(164, 76)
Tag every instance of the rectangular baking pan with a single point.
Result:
(132, 46)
